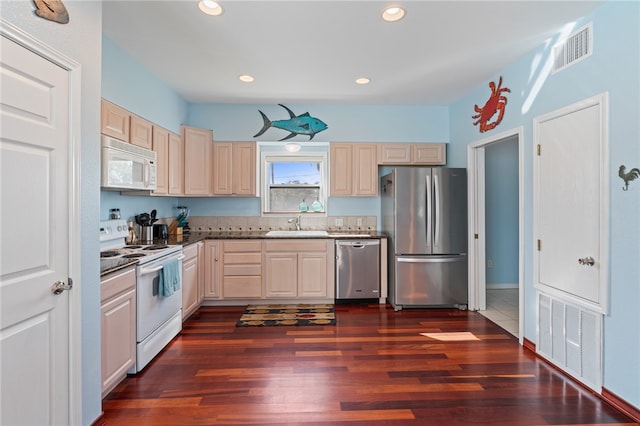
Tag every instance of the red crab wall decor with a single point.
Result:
(496, 103)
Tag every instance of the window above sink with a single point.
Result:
(294, 183)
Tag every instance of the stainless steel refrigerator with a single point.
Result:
(424, 212)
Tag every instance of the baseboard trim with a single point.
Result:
(501, 286)
(621, 404)
(605, 395)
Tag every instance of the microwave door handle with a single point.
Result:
(146, 173)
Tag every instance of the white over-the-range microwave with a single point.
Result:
(126, 166)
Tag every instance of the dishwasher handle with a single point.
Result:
(358, 244)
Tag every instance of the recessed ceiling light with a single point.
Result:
(210, 7)
(393, 14)
(246, 78)
(363, 80)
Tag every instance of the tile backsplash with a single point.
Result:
(259, 223)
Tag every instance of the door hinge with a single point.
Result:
(539, 149)
(539, 245)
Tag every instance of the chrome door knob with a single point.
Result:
(587, 261)
(60, 286)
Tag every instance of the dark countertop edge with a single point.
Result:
(194, 237)
(117, 267)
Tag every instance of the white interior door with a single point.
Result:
(34, 250)
(571, 202)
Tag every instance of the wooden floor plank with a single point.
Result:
(372, 368)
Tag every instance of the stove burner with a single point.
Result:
(109, 253)
(132, 247)
(156, 247)
(133, 255)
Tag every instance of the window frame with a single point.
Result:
(302, 157)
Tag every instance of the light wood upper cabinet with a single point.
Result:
(353, 169)
(141, 132)
(176, 165)
(161, 148)
(198, 158)
(234, 170)
(115, 121)
(426, 154)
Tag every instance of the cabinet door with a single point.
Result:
(395, 153)
(176, 165)
(281, 275)
(114, 121)
(198, 149)
(141, 132)
(365, 169)
(312, 274)
(244, 168)
(161, 148)
(341, 169)
(190, 278)
(430, 154)
(118, 329)
(212, 269)
(222, 168)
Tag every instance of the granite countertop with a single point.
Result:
(110, 265)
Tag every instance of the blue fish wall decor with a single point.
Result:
(302, 124)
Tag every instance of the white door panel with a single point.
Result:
(571, 203)
(34, 248)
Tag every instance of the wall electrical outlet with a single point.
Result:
(359, 221)
(489, 263)
(339, 222)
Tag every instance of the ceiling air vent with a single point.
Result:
(575, 48)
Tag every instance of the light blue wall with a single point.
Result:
(614, 67)
(501, 212)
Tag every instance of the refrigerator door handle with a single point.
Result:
(432, 259)
(429, 209)
(436, 211)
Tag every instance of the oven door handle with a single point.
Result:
(145, 271)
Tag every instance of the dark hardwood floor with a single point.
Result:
(372, 368)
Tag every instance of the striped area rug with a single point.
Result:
(305, 314)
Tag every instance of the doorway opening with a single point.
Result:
(496, 265)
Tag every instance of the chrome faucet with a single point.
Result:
(295, 220)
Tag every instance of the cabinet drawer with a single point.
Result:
(190, 251)
(246, 245)
(296, 245)
(117, 282)
(245, 287)
(235, 270)
(242, 258)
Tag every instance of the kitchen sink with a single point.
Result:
(297, 234)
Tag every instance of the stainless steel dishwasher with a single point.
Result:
(357, 269)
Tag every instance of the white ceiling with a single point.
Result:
(312, 51)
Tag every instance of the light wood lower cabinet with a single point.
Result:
(242, 269)
(212, 269)
(118, 326)
(192, 283)
(297, 269)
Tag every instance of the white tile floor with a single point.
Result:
(502, 308)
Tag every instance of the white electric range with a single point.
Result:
(158, 318)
